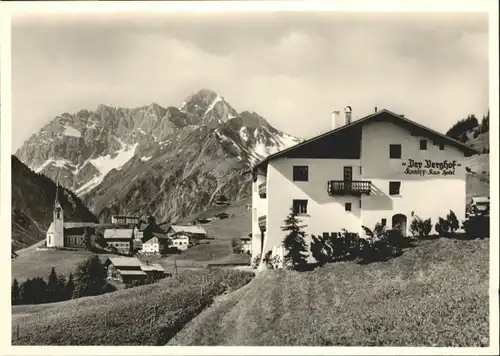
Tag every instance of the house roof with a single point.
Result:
(480, 199)
(152, 267)
(69, 225)
(161, 235)
(118, 233)
(192, 229)
(125, 272)
(398, 119)
(125, 262)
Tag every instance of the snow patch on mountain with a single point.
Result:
(145, 159)
(244, 133)
(59, 163)
(106, 164)
(210, 108)
(71, 131)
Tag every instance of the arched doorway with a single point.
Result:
(399, 223)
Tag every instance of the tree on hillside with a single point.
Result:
(69, 288)
(52, 292)
(462, 126)
(26, 292)
(294, 242)
(39, 290)
(16, 292)
(485, 123)
(100, 240)
(90, 277)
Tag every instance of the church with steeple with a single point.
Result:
(68, 234)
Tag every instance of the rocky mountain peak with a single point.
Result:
(160, 158)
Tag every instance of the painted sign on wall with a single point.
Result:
(430, 167)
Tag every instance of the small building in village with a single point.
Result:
(124, 220)
(180, 241)
(193, 231)
(158, 243)
(246, 244)
(153, 271)
(121, 239)
(124, 269)
(221, 216)
(68, 234)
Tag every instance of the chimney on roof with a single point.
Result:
(348, 115)
(376, 109)
(336, 120)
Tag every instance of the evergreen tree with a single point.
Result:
(60, 291)
(90, 278)
(294, 242)
(52, 286)
(39, 290)
(100, 240)
(27, 292)
(16, 292)
(69, 288)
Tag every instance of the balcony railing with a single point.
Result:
(262, 222)
(262, 190)
(355, 187)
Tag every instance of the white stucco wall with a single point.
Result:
(428, 196)
(325, 213)
(259, 208)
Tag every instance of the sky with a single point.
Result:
(292, 68)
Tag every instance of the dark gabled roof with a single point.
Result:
(402, 120)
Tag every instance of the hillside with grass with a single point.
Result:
(476, 134)
(435, 294)
(146, 315)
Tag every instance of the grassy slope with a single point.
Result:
(39, 263)
(434, 294)
(125, 317)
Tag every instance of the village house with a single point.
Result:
(62, 234)
(246, 244)
(193, 231)
(156, 244)
(121, 239)
(124, 220)
(124, 269)
(153, 271)
(180, 241)
(382, 168)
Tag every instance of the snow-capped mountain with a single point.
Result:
(169, 161)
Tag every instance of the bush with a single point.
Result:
(447, 227)
(236, 245)
(477, 226)
(420, 228)
(267, 260)
(476, 133)
(256, 261)
(380, 244)
(334, 247)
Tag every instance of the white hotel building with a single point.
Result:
(380, 168)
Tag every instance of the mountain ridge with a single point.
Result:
(32, 203)
(145, 153)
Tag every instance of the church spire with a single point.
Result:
(57, 202)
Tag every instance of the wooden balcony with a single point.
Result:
(355, 187)
(262, 222)
(263, 190)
